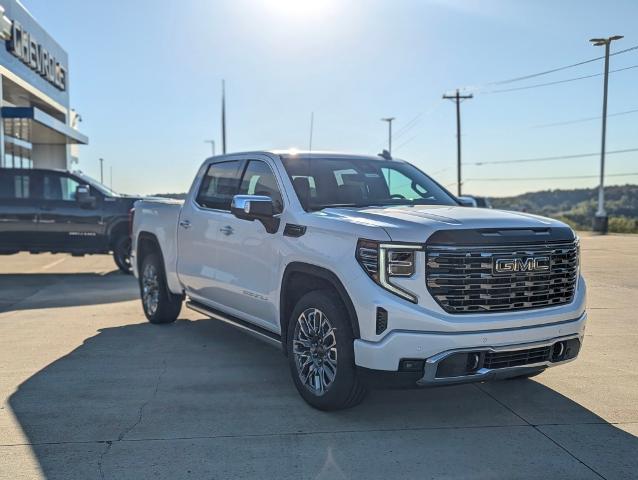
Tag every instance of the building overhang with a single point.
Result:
(35, 126)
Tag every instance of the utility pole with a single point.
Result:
(102, 171)
(212, 144)
(224, 117)
(458, 98)
(389, 120)
(601, 221)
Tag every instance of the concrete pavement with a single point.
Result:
(89, 389)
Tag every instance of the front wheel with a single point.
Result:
(122, 254)
(160, 306)
(320, 347)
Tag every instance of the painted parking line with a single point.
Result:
(53, 264)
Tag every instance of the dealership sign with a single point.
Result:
(32, 53)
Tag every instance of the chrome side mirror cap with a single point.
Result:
(255, 207)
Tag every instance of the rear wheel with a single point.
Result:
(321, 353)
(122, 253)
(160, 306)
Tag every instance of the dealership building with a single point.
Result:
(38, 127)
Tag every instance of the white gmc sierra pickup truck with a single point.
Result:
(364, 270)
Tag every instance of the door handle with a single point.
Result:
(185, 224)
(227, 230)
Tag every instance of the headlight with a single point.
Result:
(383, 261)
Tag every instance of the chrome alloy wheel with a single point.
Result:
(315, 349)
(150, 289)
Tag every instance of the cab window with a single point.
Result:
(219, 186)
(258, 179)
(59, 187)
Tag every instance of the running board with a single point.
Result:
(254, 330)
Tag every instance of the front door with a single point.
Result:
(249, 258)
(65, 224)
(18, 210)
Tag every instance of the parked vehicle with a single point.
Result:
(62, 212)
(364, 270)
(475, 201)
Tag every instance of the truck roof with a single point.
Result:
(289, 153)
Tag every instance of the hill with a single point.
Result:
(577, 207)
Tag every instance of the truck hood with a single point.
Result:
(417, 223)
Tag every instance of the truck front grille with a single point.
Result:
(502, 278)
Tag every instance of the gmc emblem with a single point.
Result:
(525, 264)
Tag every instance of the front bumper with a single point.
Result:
(511, 361)
(432, 348)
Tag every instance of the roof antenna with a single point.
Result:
(385, 155)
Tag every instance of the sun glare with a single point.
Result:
(300, 8)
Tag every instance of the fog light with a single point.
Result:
(565, 350)
(473, 361)
(459, 365)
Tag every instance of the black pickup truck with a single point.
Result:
(62, 212)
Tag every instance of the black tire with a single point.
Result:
(345, 389)
(122, 254)
(165, 306)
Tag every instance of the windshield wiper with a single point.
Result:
(315, 208)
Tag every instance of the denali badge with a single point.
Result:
(525, 264)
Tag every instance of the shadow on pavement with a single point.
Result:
(198, 399)
(53, 290)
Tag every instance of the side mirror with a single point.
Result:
(467, 201)
(255, 207)
(83, 196)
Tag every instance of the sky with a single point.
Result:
(146, 77)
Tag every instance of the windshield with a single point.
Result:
(97, 185)
(360, 182)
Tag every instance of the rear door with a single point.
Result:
(65, 225)
(18, 210)
(198, 230)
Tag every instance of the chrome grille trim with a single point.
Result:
(461, 279)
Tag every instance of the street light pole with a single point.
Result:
(102, 171)
(224, 117)
(389, 120)
(212, 144)
(601, 220)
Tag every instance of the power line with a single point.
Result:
(547, 159)
(581, 120)
(414, 122)
(546, 84)
(574, 177)
(405, 143)
(547, 72)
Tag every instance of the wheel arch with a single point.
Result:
(300, 278)
(117, 229)
(147, 242)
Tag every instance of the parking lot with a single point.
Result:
(89, 389)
